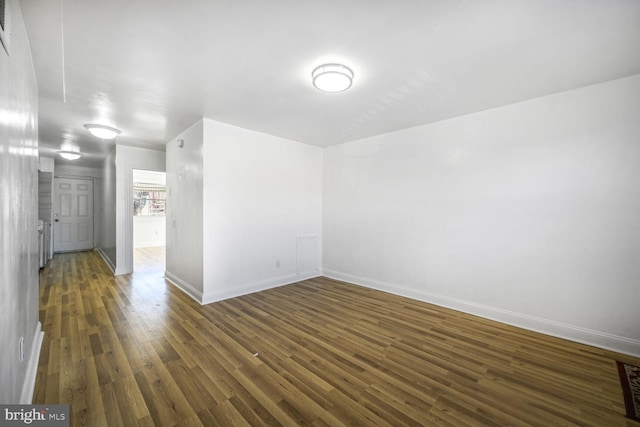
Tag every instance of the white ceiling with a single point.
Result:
(154, 67)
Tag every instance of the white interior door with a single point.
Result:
(73, 214)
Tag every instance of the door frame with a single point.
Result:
(130, 226)
(127, 159)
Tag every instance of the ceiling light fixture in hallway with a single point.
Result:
(102, 131)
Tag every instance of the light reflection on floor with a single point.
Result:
(149, 261)
(149, 290)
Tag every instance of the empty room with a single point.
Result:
(421, 213)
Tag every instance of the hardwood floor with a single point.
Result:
(133, 350)
(149, 260)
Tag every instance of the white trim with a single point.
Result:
(549, 327)
(106, 260)
(262, 285)
(149, 244)
(185, 287)
(26, 397)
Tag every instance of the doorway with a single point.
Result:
(149, 222)
(73, 215)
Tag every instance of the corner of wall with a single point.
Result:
(263, 285)
(107, 260)
(185, 287)
(184, 212)
(26, 397)
(536, 324)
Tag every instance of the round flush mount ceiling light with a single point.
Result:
(332, 77)
(103, 132)
(69, 155)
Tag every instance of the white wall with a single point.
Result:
(18, 215)
(149, 177)
(261, 193)
(244, 211)
(73, 171)
(106, 210)
(46, 164)
(128, 159)
(528, 213)
(184, 211)
(149, 231)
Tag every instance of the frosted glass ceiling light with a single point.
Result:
(332, 77)
(103, 132)
(69, 155)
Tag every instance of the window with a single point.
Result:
(149, 199)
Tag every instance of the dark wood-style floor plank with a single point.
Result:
(135, 351)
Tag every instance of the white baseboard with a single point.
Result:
(150, 244)
(185, 287)
(121, 271)
(106, 259)
(262, 285)
(115, 270)
(26, 397)
(548, 327)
